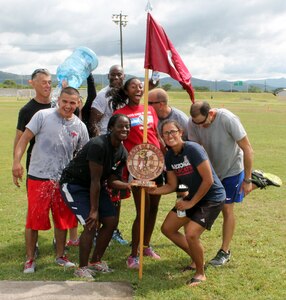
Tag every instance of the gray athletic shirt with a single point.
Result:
(179, 116)
(220, 141)
(56, 141)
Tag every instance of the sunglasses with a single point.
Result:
(41, 71)
(202, 122)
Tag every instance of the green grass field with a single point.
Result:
(258, 266)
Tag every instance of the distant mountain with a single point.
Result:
(217, 85)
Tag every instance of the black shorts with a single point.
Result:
(204, 213)
(77, 198)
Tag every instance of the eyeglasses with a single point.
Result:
(171, 132)
(151, 103)
(37, 71)
(202, 122)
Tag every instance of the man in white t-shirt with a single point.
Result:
(101, 110)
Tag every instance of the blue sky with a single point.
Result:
(217, 39)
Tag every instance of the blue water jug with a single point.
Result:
(76, 68)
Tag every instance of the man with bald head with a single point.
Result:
(101, 110)
(158, 98)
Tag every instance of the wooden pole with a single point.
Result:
(142, 207)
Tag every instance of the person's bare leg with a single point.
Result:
(104, 236)
(85, 244)
(193, 232)
(151, 217)
(31, 238)
(170, 228)
(228, 226)
(136, 223)
(73, 234)
(60, 236)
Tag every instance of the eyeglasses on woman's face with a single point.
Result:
(170, 132)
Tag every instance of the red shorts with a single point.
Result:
(44, 195)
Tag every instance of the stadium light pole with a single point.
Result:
(121, 20)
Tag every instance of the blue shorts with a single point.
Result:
(77, 198)
(232, 186)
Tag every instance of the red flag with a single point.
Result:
(161, 55)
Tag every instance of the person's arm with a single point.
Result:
(95, 176)
(17, 168)
(115, 183)
(169, 187)
(94, 119)
(18, 135)
(205, 171)
(246, 147)
(91, 95)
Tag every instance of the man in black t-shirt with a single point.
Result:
(41, 81)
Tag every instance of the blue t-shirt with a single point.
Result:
(185, 167)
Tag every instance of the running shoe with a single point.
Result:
(84, 273)
(30, 266)
(133, 262)
(100, 266)
(117, 236)
(64, 262)
(148, 251)
(220, 259)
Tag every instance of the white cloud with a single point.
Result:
(217, 39)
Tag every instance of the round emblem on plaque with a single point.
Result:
(145, 162)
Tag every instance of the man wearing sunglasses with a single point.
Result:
(224, 138)
(158, 99)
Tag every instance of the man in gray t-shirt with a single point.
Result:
(58, 135)
(158, 98)
(222, 135)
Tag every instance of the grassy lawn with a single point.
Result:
(258, 266)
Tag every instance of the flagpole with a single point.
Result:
(142, 210)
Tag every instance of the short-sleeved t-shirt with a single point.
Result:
(25, 115)
(136, 116)
(178, 116)
(220, 141)
(56, 141)
(99, 150)
(101, 103)
(185, 167)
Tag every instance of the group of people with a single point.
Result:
(84, 180)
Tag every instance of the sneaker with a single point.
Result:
(74, 243)
(133, 262)
(117, 236)
(64, 262)
(100, 266)
(220, 259)
(85, 273)
(262, 180)
(30, 266)
(148, 251)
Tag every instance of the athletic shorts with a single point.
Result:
(204, 213)
(44, 195)
(232, 186)
(77, 198)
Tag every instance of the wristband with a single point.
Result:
(247, 180)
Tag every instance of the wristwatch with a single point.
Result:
(247, 180)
